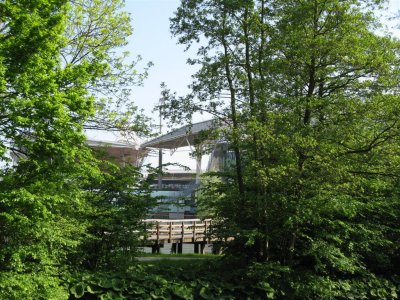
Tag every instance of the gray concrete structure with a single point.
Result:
(181, 137)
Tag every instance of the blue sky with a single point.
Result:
(153, 41)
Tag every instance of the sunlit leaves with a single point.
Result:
(316, 103)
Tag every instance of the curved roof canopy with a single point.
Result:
(123, 153)
(180, 137)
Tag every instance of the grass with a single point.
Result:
(186, 255)
(170, 266)
(183, 269)
(188, 262)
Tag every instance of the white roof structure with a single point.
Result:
(124, 153)
(180, 137)
(97, 143)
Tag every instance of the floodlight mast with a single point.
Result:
(160, 149)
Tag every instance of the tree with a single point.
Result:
(95, 36)
(46, 104)
(42, 124)
(311, 114)
(120, 199)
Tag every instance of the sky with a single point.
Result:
(152, 40)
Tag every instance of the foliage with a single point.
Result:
(37, 285)
(54, 182)
(223, 279)
(307, 97)
(119, 200)
(95, 35)
(190, 279)
(40, 198)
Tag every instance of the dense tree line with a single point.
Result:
(307, 96)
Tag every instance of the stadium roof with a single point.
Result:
(180, 137)
(97, 143)
(123, 153)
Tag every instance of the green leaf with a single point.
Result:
(205, 293)
(94, 289)
(182, 291)
(78, 290)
